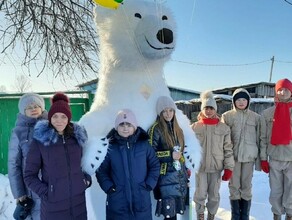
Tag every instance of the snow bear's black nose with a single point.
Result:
(165, 36)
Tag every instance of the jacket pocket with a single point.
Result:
(218, 141)
(117, 202)
(142, 201)
(250, 132)
(79, 184)
(58, 190)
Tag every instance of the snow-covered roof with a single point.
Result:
(227, 98)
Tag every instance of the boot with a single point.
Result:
(277, 217)
(200, 216)
(244, 209)
(235, 209)
(210, 216)
(288, 217)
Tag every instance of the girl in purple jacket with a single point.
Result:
(56, 151)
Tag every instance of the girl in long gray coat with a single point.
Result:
(56, 152)
(31, 109)
(245, 136)
(214, 137)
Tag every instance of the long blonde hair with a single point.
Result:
(172, 138)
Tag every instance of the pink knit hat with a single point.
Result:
(283, 83)
(60, 103)
(126, 115)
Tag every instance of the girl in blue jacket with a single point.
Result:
(129, 171)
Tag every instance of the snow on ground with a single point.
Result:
(260, 208)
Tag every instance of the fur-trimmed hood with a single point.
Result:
(46, 134)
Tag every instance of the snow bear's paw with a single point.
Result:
(189, 160)
(93, 154)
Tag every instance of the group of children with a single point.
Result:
(46, 149)
(239, 142)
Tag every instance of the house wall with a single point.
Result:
(191, 110)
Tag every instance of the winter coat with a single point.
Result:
(132, 169)
(216, 147)
(279, 152)
(171, 183)
(20, 140)
(245, 132)
(63, 184)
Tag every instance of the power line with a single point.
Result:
(204, 64)
(280, 61)
(241, 64)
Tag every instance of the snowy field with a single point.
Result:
(260, 209)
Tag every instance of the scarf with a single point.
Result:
(210, 121)
(281, 128)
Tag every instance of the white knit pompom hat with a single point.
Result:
(207, 99)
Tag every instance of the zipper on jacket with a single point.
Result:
(63, 139)
(52, 188)
(130, 174)
(69, 174)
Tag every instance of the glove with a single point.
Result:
(23, 208)
(227, 175)
(265, 166)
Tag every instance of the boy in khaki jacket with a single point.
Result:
(245, 136)
(214, 137)
(276, 145)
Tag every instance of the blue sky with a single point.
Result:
(230, 32)
(221, 35)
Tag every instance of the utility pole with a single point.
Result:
(272, 65)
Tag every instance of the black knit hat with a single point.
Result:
(60, 103)
(241, 95)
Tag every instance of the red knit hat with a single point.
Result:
(283, 83)
(60, 103)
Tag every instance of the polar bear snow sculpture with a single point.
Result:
(135, 42)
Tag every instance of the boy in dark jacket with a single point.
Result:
(129, 171)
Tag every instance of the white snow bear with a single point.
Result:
(135, 42)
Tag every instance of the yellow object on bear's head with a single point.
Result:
(112, 4)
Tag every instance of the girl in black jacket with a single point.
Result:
(167, 139)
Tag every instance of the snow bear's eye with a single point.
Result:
(137, 15)
(164, 17)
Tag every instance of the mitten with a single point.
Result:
(227, 175)
(23, 208)
(265, 166)
(27, 203)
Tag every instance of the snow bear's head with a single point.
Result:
(138, 28)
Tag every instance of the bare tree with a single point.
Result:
(56, 34)
(22, 83)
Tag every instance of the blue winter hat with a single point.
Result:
(28, 99)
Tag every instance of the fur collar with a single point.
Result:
(47, 135)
